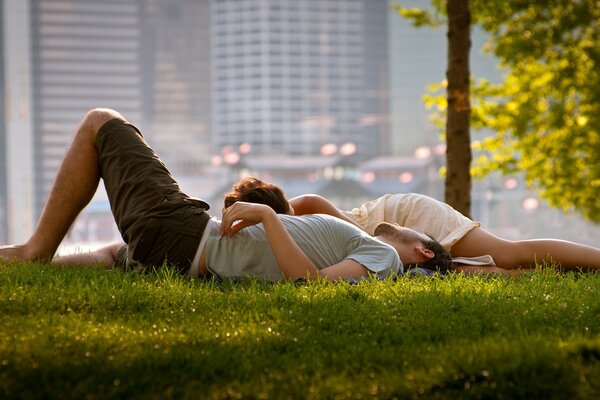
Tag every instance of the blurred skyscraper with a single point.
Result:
(85, 54)
(177, 80)
(290, 76)
(18, 176)
(149, 59)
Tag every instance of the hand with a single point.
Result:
(245, 214)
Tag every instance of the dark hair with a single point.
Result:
(441, 261)
(253, 190)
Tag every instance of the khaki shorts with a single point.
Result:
(160, 224)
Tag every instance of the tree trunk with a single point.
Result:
(458, 151)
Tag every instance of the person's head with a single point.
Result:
(415, 248)
(253, 190)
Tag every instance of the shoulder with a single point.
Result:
(311, 219)
(324, 220)
(376, 256)
(322, 224)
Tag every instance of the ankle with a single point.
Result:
(33, 253)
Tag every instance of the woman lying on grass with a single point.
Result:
(458, 234)
(161, 225)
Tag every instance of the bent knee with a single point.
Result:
(97, 117)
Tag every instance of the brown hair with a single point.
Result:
(253, 190)
(441, 261)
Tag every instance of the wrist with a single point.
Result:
(267, 213)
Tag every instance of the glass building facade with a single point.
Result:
(177, 79)
(289, 75)
(85, 54)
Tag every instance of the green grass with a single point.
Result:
(69, 333)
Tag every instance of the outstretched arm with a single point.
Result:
(292, 260)
(315, 204)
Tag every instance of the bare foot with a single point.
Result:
(13, 253)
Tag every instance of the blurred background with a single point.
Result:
(318, 96)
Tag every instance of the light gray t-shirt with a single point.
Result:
(326, 240)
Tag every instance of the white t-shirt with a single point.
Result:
(326, 240)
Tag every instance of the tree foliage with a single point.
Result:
(545, 114)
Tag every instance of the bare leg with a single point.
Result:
(526, 253)
(75, 184)
(105, 256)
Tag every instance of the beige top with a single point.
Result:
(415, 211)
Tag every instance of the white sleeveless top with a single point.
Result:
(416, 211)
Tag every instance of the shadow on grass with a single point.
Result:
(283, 368)
(410, 339)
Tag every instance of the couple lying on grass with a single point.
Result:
(261, 234)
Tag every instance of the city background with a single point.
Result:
(318, 96)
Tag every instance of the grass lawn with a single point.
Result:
(69, 333)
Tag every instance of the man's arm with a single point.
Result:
(292, 260)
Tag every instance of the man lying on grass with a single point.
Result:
(161, 225)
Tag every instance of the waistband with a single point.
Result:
(212, 226)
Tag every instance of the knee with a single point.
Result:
(97, 117)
